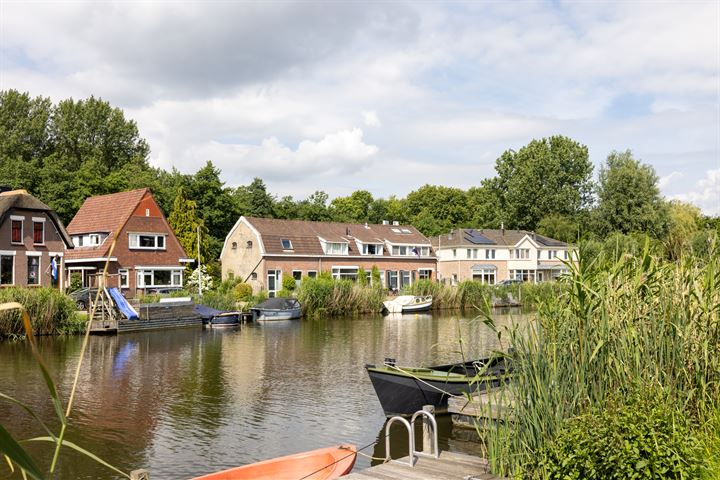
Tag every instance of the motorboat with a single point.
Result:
(408, 304)
(225, 319)
(322, 464)
(277, 308)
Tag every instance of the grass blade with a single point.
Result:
(12, 450)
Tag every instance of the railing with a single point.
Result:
(430, 436)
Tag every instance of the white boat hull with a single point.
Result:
(408, 304)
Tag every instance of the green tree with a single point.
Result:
(484, 206)
(548, 176)
(285, 208)
(314, 208)
(362, 279)
(629, 199)
(685, 221)
(559, 227)
(184, 221)
(254, 200)
(353, 209)
(436, 209)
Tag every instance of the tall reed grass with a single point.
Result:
(51, 311)
(324, 295)
(623, 324)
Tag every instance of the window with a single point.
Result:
(472, 253)
(336, 248)
(234, 245)
(552, 254)
(566, 254)
(454, 253)
(253, 276)
(147, 241)
(16, 231)
(274, 282)
(345, 273)
(371, 249)
(297, 275)
(484, 275)
(39, 233)
(147, 212)
(286, 244)
(396, 230)
(520, 253)
(424, 274)
(467, 255)
(392, 280)
(249, 244)
(404, 278)
(490, 254)
(177, 278)
(7, 270)
(312, 274)
(524, 275)
(33, 271)
(405, 230)
(166, 277)
(124, 278)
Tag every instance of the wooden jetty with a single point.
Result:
(449, 466)
(493, 404)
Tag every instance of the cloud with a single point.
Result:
(706, 194)
(667, 179)
(371, 119)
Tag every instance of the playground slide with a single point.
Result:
(122, 304)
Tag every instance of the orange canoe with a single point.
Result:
(322, 464)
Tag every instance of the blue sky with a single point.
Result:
(386, 96)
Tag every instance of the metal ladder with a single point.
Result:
(410, 426)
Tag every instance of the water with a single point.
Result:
(186, 402)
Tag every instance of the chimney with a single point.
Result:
(395, 222)
(347, 231)
(366, 225)
(502, 228)
(385, 222)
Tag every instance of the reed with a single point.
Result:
(622, 324)
(324, 295)
(51, 311)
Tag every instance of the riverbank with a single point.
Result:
(51, 312)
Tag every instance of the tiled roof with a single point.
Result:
(480, 237)
(305, 235)
(21, 199)
(103, 214)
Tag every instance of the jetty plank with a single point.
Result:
(495, 404)
(449, 466)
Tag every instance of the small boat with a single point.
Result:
(321, 464)
(405, 390)
(226, 319)
(408, 304)
(278, 308)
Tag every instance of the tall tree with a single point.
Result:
(629, 199)
(185, 223)
(436, 209)
(685, 223)
(355, 208)
(314, 207)
(484, 206)
(254, 200)
(548, 176)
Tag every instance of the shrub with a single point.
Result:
(644, 437)
(51, 311)
(325, 295)
(243, 291)
(362, 277)
(288, 283)
(375, 276)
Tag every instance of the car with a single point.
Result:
(83, 296)
(510, 281)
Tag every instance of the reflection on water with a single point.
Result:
(191, 401)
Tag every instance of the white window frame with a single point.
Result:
(135, 245)
(141, 271)
(341, 272)
(312, 273)
(366, 248)
(37, 255)
(12, 255)
(282, 244)
(330, 246)
(15, 218)
(425, 273)
(126, 273)
(40, 220)
(489, 254)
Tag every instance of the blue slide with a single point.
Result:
(123, 304)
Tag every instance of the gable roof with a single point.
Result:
(104, 214)
(305, 235)
(21, 199)
(468, 237)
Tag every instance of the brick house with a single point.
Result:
(261, 250)
(491, 256)
(147, 255)
(33, 242)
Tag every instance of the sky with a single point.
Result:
(385, 96)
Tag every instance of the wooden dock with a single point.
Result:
(450, 466)
(494, 404)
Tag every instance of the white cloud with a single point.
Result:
(667, 179)
(706, 194)
(371, 119)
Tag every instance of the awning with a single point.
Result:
(483, 266)
(552, 266)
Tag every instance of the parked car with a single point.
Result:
(510, 281)
(83, 296)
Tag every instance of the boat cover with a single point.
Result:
(278, 303)
(206, 312)
(122, 304)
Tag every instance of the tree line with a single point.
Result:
(66, 152)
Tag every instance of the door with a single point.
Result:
(274, 279)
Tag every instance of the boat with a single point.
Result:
(322, 464)
(278, 308)
(405, 390)
(225, 319)
(408, 304)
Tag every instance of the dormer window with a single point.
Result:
(336, 248)
(286, 244)
(372, 249)
(147, 241)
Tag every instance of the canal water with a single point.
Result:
(186, 402)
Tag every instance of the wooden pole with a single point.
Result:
(427, 430)
(198, 267)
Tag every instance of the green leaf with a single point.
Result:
(12, 450)
(81, 450)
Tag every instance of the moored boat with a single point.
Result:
(408, 304)
(405, 390)
(322, 464)
(226, 319)
(278, 308)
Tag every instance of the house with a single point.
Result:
(146, 256)
(491, 256)
(261, 250)
(32, 241)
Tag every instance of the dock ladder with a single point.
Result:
(430, 439)
(105, 318)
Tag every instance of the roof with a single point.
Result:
(104, 214)
(21, 199)
(468, 237)
(305, 235)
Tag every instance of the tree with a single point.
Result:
(685, 220)
(286, 208)
(559, 227)
(628, 197)
(484, 206)
(548, 176)
(314, 208)
(184, 221)
(353, 209)
(436, 209)
(254, 199)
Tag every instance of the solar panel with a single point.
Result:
(476, 238)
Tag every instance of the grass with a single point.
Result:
(51, 311)
(324, 295)
(635, 322)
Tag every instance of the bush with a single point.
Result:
(642, 438)
(325, 295)
(288, 284)
(362, 277)
(51, 311)
(243, 291)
